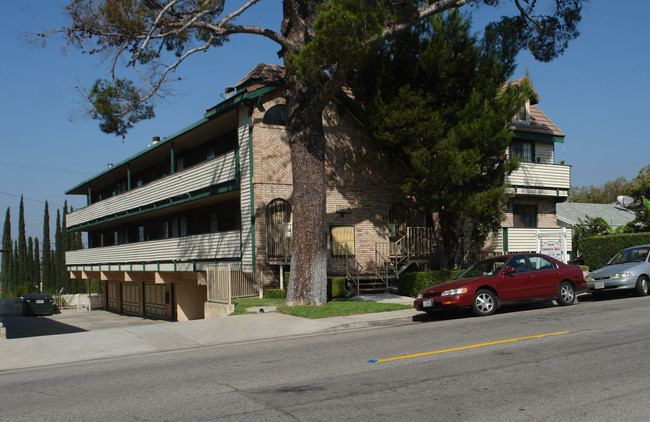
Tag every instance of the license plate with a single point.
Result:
(599, 285)
(427, 303)
(39, 301)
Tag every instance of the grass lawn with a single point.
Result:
(334, 308)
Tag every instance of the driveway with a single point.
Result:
(69, 321)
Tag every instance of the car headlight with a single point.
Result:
(420, 296)
(454, 292)
(624, 274)
(589, 278)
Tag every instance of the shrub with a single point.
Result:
(410, 284)
(596, 251)
(275, 294)
(336, 287)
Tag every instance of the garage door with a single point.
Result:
(111, 295)
(130, 299)
(154, 300)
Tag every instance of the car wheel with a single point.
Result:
(641, 287)
(566, 294)
(485, 303)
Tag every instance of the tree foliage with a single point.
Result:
(436, 103)
(605, 194)
(639, 189)
(320, 41)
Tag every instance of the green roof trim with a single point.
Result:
(537, 136)
(210, 114)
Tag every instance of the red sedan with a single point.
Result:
(504, 279)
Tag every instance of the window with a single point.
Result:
(342, 240)
(140, 233)
(524, 216)
(278, 228)
(524, 150)
(523, 115)
(398, 221)
(519, 264)
(539, 263)
(276, 115)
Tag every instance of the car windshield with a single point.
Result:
(484, 268)
(630, 255)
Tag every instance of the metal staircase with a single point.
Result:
(393, 258)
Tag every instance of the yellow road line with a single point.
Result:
(467, 347)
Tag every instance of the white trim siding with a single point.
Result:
(210, 173)
(212, 246)
(243, 134)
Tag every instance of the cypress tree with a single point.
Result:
(29, 267)
(22, 245)
(7, 252)
(37, 264)
(58, 252)
(46, 265)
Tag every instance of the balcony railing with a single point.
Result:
(512, 240)
(540, 179)
(175, 254)
(213, 172)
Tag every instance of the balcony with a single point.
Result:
(176, 254)
(513, 240)
(210, 173)
(540, 179)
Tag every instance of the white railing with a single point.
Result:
(219, 170)
(233, 280)
(211, 246)
(542, 176)
(513, 240)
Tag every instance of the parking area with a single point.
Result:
(68, 321)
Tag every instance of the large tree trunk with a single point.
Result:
(308, 280)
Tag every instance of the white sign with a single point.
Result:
(552, 249)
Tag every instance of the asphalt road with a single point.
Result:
(587, 362)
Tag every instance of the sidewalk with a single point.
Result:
(164, 336)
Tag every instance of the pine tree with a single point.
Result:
(46, 265)
(7, 253)
(436, 103)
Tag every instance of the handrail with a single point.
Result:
(392, 258)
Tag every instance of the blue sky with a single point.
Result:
(596, 93)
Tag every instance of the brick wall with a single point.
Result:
(358, 178)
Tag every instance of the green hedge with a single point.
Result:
(410, 284)
(596, 251)
(336, 287)
(275, 294)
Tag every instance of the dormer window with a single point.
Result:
(523, 115)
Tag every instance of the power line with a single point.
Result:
(22, 166)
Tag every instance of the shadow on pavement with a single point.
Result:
(449, 314)
(23, 326)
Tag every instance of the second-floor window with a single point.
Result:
(523, 149)
(524, 216)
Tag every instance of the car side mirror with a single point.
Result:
(509, 270)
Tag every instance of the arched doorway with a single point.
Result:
(278, 230)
